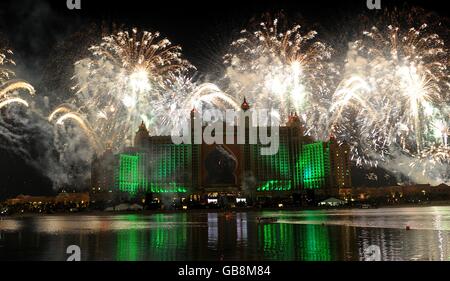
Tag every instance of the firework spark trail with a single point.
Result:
(350, 94)
(210, 94)
(283, 69)
(15, 85)
(83, 124)
(60, 110)
(10, 87)
(13, 100)
(182, 96)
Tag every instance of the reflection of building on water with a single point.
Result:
(168, 235)
(316, 243)
(295, 242)
(278, 241)
(242, 232)
(224, 172)
(165, 242)
(127, 243)
(441, 238)
(213, 229)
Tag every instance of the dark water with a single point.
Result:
(306, 235)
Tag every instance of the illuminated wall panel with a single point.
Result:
(273, 172)
(314, 164)
(166, 168)
(169, 168)
(128, 173)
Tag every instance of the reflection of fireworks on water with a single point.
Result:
(282, 69)
(396, 87)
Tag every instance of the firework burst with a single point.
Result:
(124, 81)
(140, 53)
(283, 69)
(394, 95)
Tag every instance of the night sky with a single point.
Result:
(47, 38)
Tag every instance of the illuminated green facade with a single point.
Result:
(128, 173)
(165, 168)
(274, 172)
(314, 164)
(285, 171)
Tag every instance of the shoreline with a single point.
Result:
(235, 210)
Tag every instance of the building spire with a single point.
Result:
(245, 106)
(142, 127)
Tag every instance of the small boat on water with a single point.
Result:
(266, 220)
